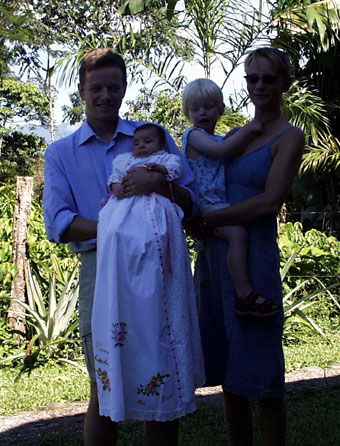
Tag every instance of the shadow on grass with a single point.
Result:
(313, 420)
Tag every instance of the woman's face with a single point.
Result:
(265, 86)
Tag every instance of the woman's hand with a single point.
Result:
(197, 228)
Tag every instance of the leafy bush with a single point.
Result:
(311, 280)
(51, 318)
(317, 256)
(40, 249)
(45, 257)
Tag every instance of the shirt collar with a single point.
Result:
(123, 126)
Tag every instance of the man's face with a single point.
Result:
(103, 92)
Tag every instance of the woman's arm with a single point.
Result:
(287, 154)
(230, 147)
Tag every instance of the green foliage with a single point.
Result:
(223, 34)
(75, 113)
(311, 279)
(17, 28)
(318, 255)
(163, 107)
(312, 25)
(21, 155)
(149, 45)
(22, 99)
(40, 249)
(7, 269)
(51, 296)
(307, 110)
(8, 345)
(309, 31)
(50, 314)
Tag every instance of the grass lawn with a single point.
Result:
(313, 413)
(313, 420)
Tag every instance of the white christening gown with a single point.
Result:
(146, 338)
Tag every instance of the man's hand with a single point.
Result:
(140, 181)
(157, 168)
(117, 190)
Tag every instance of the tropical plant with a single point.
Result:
(310, 32)
(310, 271)
(21, 155)
(50, 313)
(41, 251)
(25, 102)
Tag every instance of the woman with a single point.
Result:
(245, 354)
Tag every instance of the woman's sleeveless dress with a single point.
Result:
(146, 339)
(245, 355)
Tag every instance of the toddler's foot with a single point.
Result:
(256, 306)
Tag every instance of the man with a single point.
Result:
(76, 170)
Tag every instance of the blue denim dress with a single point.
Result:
(245, 355)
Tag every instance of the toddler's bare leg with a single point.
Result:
(237, 236)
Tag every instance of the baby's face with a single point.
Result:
(145, 143)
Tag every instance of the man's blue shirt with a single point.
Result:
(76, 172)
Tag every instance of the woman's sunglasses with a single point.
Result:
(267, 79)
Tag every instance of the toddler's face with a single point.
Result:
(145, 143)
(204, 115)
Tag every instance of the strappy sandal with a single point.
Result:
(249, 307)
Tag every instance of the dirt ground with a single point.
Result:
(61, 417)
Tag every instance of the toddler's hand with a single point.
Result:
(255, 127)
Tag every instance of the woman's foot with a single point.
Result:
(256, 306)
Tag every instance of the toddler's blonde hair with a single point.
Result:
(201, 90)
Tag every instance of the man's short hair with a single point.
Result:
(148, 126)
(101, 58)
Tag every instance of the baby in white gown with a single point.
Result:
(147, 346)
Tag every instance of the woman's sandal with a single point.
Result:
(249, 307)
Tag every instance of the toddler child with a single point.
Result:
(146, 340)
(203, 105)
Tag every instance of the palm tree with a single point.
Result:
(310, 32)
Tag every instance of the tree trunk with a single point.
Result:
(50, 109)
(23, 198)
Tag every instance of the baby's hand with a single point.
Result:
(118, 190)
(254, 126)
(157, 168)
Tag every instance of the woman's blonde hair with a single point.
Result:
(201, 90)
(278, 58)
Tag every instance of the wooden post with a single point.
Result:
(23, 198)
